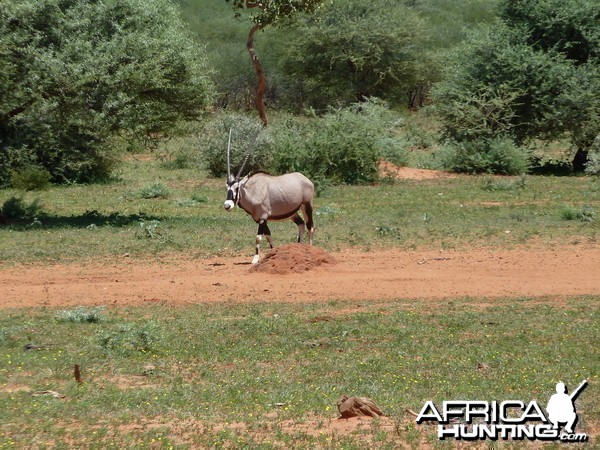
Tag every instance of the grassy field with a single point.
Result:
(150, 210)
(230, 375)
(269, 375)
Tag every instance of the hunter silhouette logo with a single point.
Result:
(510, 419)
(561, 406)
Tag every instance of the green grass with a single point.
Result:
(109, 220)
(178, 376)
(228, 375)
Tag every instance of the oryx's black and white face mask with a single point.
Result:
(233, 192)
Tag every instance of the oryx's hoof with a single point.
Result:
(255, 259)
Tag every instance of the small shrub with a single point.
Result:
(491, 184)
(10, 336)
(180, 160)
(584, 214)
(385, 230)
(154, 190)
(82, 314)
(152, 230)
(494, 155)
(31, 179)
(342, 146)
(132, 338)
(248, 137)
(15, 209)
(199, 198)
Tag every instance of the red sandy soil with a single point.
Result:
(431, 275)
(387, 169)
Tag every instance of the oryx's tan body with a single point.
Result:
(266, 197)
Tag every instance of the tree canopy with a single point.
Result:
(534, 74)
(357, 49)
(77, 75)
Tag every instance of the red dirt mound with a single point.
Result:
(293, 258)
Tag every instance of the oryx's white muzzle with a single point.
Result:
(228, 205)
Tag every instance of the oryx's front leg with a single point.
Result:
(263, 230)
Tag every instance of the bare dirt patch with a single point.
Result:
(431, 275)
(388, 169)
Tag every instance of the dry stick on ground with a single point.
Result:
(77, 374)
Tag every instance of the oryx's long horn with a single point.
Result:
(229, 156)
(243, 165)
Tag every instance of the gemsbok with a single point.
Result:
(266, 197)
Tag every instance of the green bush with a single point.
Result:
(153, 229)
(154, 190)
(132, 338)
(342, 146)
(247, 138)
(30, 179)
(82, 314)
(80, 78)
(493, 155)
(583, 214)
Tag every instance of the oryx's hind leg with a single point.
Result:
(307, 211)
(301, 227)
(263, 230)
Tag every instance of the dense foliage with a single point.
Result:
(82, 79)
(342, 146)
(535, 74)
(353, 50)
(424, 30)
(78, 77)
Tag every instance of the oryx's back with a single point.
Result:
(288, 188)
(278, 196)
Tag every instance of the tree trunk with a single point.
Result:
(262, 81)
(418, 96)
(580, 160)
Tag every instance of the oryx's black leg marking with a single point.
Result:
(263, 228)
(301, 227)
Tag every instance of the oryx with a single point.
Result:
(266, 197)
